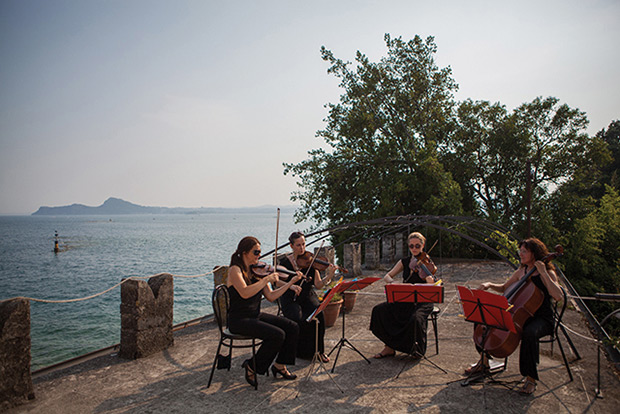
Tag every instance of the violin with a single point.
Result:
(525, 299)
(262, 269)
(320, 263)
(424, 261)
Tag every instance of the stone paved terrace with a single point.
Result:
(175, 381)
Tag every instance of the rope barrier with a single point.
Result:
(112, 288)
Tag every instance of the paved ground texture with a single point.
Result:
(175, 381)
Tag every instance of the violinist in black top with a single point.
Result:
(393, 323)
(279, 334)
(301, 300)
(531, 252)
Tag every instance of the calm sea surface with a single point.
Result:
(98, 251)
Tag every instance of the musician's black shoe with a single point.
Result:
(285, 374)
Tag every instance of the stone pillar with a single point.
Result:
(388, 250)
(399, 246)
(146, 316)
(220, 275)
(353, 259)
(372, 257)
(15, 379)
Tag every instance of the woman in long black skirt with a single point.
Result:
(402, 326)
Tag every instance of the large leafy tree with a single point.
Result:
(383, 136)
(491, 150)
(486, 155)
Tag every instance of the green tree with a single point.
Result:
(491, 149)
(486, 156)
(592, 255)
(384, 136)
(611, 172)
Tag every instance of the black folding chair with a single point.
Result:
(554, 337)
(221, 304)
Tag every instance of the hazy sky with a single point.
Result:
(198, 103)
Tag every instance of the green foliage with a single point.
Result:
(507, 245)
(491, 149)
(384, 136)
(592, 259)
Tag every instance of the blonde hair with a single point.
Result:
(417, 235)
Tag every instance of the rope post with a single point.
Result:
(15, 379)
(146, 316)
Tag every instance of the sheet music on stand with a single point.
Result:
(417, 293)
(486, 308)
(354, 284)
(490, 310)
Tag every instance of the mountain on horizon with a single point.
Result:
(115, 206)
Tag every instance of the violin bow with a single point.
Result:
(275, 251)
(305, 279)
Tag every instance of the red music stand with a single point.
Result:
(488, 309)
(415, 293)
(355, 284)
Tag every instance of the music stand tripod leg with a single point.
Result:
(344, 342)
(317, 358)
(414, 352)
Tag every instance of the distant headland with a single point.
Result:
(115, 206)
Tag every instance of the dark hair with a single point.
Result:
(538, 249)
(294, 236)
(245, 245)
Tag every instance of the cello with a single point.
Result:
(525, 299)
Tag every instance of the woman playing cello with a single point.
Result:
(279, 334)
(531, 253)
(393, 323)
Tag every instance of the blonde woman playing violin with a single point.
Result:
(301, 300)
(393, 323)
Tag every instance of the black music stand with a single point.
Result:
(415, 293)
(317, 357)
(491, 311)
(341, 287)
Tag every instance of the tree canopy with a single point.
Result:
(384, 136)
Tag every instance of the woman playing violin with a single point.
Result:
(301, 300)
(279, 334)
(393, 323)
(531, 253)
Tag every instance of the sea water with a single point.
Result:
(97, 252)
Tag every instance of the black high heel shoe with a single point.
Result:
(285, 374)
(249, 374)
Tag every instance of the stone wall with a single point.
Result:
(146, 316)
(372, 253)
(15, 379)
(388, 250)
(353, 259)
(400, 249)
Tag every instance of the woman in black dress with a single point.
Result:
(301, 300)
(279, 334)
(396, 323)
(531, 253)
